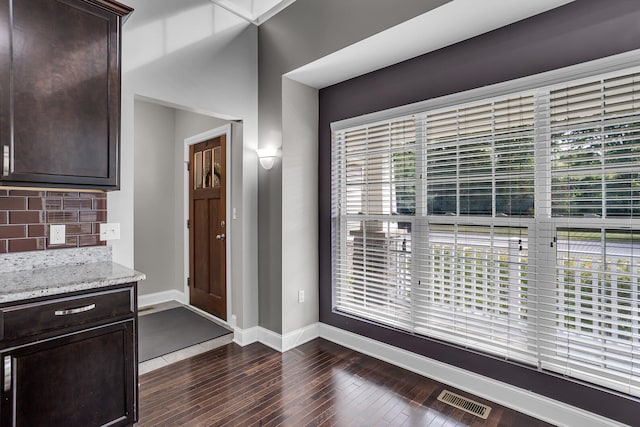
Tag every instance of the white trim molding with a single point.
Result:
(160, 297)
(270, 338)
(274, 340)
(521, 400)
(244, 337)
(300, 336)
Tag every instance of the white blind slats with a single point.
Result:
(471, 259)
(475, 282)
(464, 152)
(596, 306)
(595, 150)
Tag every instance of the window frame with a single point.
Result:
(545, 225)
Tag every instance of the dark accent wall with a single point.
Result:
(580, 31)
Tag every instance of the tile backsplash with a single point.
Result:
(25, 216)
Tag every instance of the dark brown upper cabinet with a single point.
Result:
(60, 93)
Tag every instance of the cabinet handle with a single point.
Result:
(7, 373)
(74, 310)
(5, 160)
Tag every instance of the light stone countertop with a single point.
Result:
(39, 282)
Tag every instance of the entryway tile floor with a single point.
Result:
(185, 353)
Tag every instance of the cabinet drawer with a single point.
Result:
(30, 319)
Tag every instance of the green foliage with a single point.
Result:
(595, 171)
(404, 179)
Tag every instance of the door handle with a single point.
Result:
(220, 236)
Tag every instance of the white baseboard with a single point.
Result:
(270, 338)
(274, 340)
(300, 336)
(244, 337)
(160, 297)
(521, 400)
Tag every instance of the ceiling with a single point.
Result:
(451, 23)
(448, 24)
(254, 11)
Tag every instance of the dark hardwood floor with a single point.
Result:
(317, 384)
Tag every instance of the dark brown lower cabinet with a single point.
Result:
(81, 377)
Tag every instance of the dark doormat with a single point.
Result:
(171, 330)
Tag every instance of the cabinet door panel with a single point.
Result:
(5, 86)
(81, 379)
(62, 81)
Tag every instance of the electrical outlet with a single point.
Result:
(57, 234)
(300, 296)
(110, 231)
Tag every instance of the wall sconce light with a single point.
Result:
(268, 156)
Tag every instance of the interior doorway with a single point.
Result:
(216, 230)
(207, 226)
(163, 133)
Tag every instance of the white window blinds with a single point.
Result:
(472, 275)
(595, 143)
(592, 315)
(474, 290)
(374, 200)
(509, 226)
(479, 158)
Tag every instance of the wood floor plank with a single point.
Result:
(317, 384)
(313, 370)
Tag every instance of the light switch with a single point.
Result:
(57, 234)
(110, 231)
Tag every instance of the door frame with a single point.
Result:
(204, 136)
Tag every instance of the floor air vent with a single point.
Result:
(465, 404)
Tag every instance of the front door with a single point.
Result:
(207, 227)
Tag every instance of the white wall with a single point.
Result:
(159, 191)
(299, 205)
(154, 190)
(195, 55)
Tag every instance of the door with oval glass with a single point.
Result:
(207, 228)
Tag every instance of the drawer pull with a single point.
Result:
(7, 373)
(75, 310)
